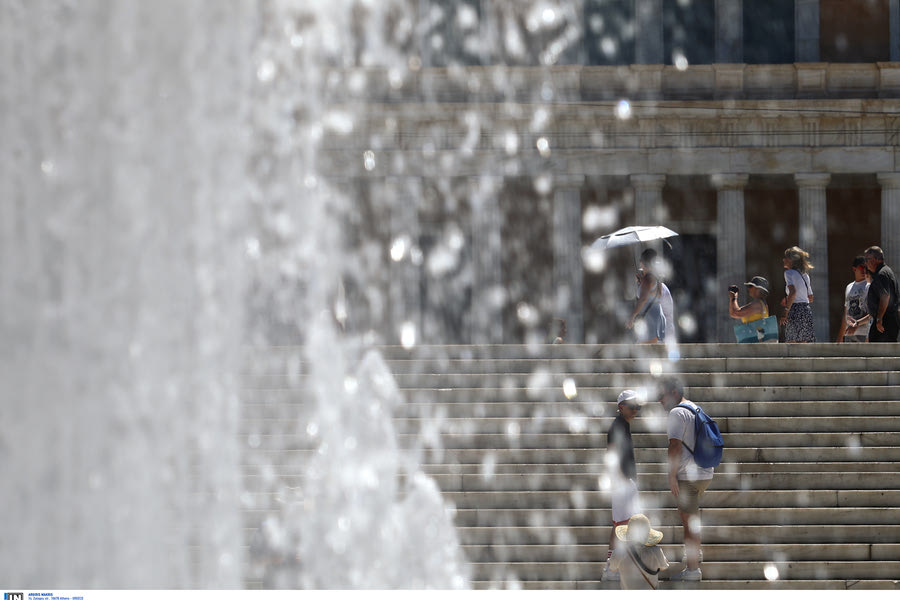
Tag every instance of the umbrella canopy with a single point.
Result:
(632, 235)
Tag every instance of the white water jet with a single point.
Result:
(157, 160)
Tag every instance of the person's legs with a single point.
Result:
(689, 510)
(625, 504)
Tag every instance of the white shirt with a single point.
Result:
(855, 303)
(801, 283)
(680, 426)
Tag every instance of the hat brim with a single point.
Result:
(751, 284)
(653, 538)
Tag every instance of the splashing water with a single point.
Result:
(162, 209)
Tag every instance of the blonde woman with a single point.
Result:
(797, 318)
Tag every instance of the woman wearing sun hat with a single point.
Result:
(757, 308)
(638, 560)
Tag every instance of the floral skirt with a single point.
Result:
(799, 326)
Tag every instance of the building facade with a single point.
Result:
(509, 135)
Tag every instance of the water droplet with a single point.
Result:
(408, 335)
(369, 160)
(252, 246)
(266, 71)
(594, 260)
(511, 142)
(599, 218)
(623, 110)
(466, 17)
(395, 79)
(608, 46)
(543, 184)
(548, 16)
(527, 314)
(488, 466)
(399, 248)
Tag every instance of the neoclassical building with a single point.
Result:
(512, 134)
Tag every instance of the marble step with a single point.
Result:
(534, 382)
(718, 571)
(593, 498)
(575, 423)
(722, 481)
(848, 583)
(711, 552)
(538, 395)
(565, 482)
(712, 534)
(497, 468)
(580, 423)
(572, 366)
(540, 381)
(646, 457)
(513, 438)
(812, 516)
(512, 351)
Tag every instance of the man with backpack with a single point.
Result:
(695, 448)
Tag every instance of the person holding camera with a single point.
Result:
(757, 308)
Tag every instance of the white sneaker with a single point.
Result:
(687, 575)
(609, 575)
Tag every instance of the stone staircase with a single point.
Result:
(807, 496)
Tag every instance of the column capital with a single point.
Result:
(812, 180)
(648, 181)
(730, 181)
(889, 180)
(567, 182)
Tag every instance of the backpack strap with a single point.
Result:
(696, 414)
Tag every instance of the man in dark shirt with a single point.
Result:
(622, 470)
(882, 299)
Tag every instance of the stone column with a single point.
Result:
(488, 292)
(568, 270)
(890, 219)
(405, 260)
(814, 239)
(729, 31)
(806, 31)
(648, 37)
(647, 205)
(731, 246)
(648, 198)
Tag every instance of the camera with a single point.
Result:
(734, 289)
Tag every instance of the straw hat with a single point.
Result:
(638, 531)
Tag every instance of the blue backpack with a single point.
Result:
(709, 444)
